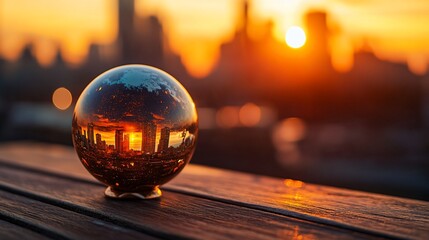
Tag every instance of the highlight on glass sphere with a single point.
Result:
(134, 128)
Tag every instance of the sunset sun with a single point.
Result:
(295, 37)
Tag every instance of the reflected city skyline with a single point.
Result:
(146, 139)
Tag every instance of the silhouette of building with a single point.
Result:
(317, 40)
(164, 139)
(91, 134)
(245, 18)
(126, 29)
(98, 139)
(126, 144)
(119, 141)
(148, 137)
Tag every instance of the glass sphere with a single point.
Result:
(134, 128)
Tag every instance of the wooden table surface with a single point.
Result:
(46, 193)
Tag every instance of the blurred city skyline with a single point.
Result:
(302, 82)
(196, 30)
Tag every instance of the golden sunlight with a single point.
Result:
(295, 37)
(132, 138)
(135, 140)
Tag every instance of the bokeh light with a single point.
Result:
(206, 118)
(250, 115)
(295, 37)
(288, 154)
(227, 117)
(62, 98)
(285, 136)
(289, 130)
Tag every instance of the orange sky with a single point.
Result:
(68, 25)
(195, 28)
(394, 30)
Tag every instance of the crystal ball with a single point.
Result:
(134, 128)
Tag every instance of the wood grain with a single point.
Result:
(63, 223)
(11, 231)
(173, 216)
(372, 213)
(359, 211)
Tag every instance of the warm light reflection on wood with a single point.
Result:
(293, 183)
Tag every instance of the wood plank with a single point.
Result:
(173, 216)
(373, 213)
(11, 231)
(64, 223)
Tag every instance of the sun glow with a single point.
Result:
(295, 37)
(132, 138)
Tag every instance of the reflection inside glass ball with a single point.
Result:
(134, 128)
